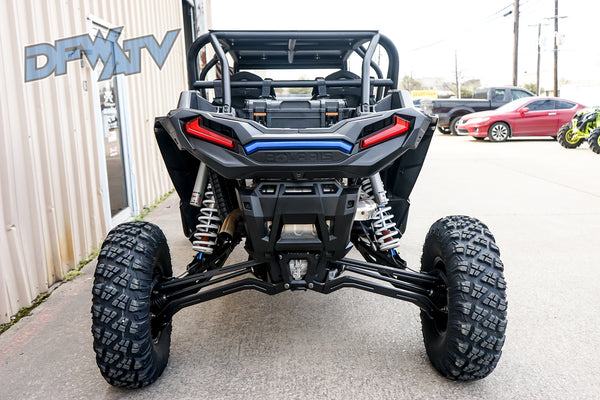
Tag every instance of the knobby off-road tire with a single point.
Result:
(594, 141)
(465, 343)
(564, 137)
(132, 348)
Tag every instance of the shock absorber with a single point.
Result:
(366, 189)
(209, 224)
(199, 185)
(385, 229)
(386, 232)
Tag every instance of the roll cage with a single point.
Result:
(252, 50)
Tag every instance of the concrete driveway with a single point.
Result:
(542, 202)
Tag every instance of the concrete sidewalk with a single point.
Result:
(356, 345)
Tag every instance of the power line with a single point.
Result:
(490, 18)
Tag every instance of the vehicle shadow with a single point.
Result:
(516, 140)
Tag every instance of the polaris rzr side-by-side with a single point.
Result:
(299, 180)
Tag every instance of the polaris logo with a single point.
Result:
(293, 157)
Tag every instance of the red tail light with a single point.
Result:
(195, 128)
(399, 127)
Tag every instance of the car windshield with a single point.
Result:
(513, 105)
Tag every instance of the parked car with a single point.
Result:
(450, 111)
(532, 116)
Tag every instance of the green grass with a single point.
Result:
(23, 312)
(146, 210)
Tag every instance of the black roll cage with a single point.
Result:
(293, 50)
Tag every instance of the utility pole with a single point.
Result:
(537, 75)
(456, 74)
(555, 18)
(555, 48)
(539, 56)
(516, 43)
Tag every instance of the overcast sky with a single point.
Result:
(427, 33)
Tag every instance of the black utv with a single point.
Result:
(299, 172)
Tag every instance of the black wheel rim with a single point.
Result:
(440, 297)
(157, 324)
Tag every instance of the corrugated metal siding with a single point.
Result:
(51, 206)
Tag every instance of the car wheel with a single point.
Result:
(453, 124)
(464, 340)
(443, 130)
(594, 141)
(499, 132)
(567, 138)
(131, 342)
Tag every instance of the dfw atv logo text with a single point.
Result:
(116, 59)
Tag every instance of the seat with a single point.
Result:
(239, 95)
(352, 94)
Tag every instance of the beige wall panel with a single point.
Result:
(51, 208)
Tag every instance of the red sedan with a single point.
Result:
(528, 116)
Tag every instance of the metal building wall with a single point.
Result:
(51, 204)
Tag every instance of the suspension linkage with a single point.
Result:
(400, 275)
(175, 284)
(177, 293)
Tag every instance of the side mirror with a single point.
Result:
(524, 110)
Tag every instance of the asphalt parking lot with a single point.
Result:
(542, 202)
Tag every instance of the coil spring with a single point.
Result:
(209, 224)
(385, 229)
(367, 189)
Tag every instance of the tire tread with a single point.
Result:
(594, 140)
(477, 316)
(561, 137)
(121, 305)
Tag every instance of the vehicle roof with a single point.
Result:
(291, 49)
(531, 99)
(515, 104)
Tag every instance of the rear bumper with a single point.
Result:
(276, 153)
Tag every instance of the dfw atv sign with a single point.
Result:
(45, 59)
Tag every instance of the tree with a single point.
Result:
(466, 93)
(531, 87)
(409, 83)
